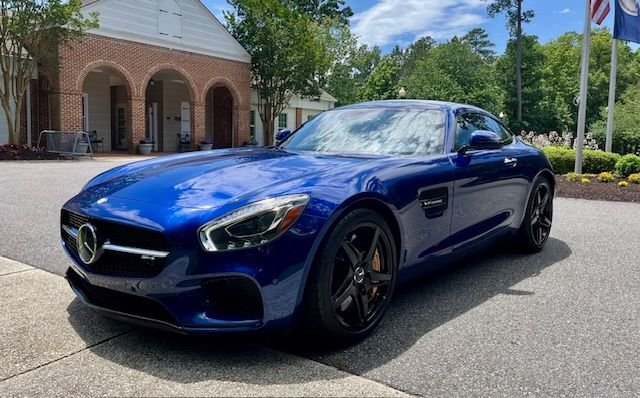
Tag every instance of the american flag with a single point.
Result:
(599, 10)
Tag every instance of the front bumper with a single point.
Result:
(198, 292)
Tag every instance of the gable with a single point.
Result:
(178, 24)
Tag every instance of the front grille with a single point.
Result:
(118, 301)
(116, 263)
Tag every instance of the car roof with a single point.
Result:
(413, 104)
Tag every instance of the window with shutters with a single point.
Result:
(169, 20)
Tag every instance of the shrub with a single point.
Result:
(634, 178)
(605, 176)
(563, 160)
(623, 184)
(585, 180)
(628, 164)
(573, 177)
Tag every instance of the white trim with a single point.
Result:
(28, 99)
(85, 112)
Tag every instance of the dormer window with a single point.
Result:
(169, 20)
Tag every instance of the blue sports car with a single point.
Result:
(314, 233)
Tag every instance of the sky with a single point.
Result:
(387, 23)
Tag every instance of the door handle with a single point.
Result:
(511, 162)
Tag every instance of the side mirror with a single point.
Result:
(282, 136)
(482, 139)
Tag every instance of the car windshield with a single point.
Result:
(372, 131)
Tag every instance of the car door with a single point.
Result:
(489, 183)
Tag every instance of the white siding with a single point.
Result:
(174, 94)
(194, 30)
(99, 92)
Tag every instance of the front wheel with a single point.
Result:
(352, 279)
(536, 225)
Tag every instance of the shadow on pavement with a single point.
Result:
(417, 308)
(429, 302)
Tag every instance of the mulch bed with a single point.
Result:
(598, 190)
(17, 153)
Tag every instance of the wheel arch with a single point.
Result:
(364, 201)
(546, 173)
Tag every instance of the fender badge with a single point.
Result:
(101, 201)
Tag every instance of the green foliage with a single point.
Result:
(383, 82)
(605, 176)
(510, 8)
(535, 115)
(289, 53)
(454, 72)
(628, 164)
(31, 32)
(563, 160)
(319, 10)
(626, 133)
(478, 40)
(353, 64)
(634, 178)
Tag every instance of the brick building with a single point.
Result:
(161, 69)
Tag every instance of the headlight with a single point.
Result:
(254, 224)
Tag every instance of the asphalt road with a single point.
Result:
(561, 322)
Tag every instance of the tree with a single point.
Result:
(478, 40)
(416, 52)
(626, 135)
(538, 115)
(353, 64)
(31, 31)
(382, 84)
(454, 72)
(515, 18)
(289, 54)
(318, 10)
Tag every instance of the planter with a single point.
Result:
(206, 147)
(145, 149)
(82, 147)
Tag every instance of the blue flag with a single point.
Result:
(627, 22)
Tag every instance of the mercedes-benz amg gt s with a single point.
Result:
(313, 233)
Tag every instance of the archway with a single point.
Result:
(106, 114)
(219, 117)
(169, 113)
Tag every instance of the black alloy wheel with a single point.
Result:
(352, 280)
(536, 225)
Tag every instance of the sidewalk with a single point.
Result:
(50, 345)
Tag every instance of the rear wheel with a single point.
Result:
(352, 280)
(536, 226)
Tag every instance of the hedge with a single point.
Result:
(563, 160)
(628, 164)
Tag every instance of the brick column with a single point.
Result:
(67, 111)
(198, 129)
(136, 122)
(298, 117)
(241, 130)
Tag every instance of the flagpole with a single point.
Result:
(612, 95)
(584, 81)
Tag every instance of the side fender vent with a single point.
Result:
(434, 202)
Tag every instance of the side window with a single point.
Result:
(467, 123)
(498, 128)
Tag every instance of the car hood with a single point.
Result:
(211, 180)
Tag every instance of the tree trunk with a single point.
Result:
(17, 122)
(519, 62)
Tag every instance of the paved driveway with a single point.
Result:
(562, 322)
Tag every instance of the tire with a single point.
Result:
(352, 280)
(538, 219)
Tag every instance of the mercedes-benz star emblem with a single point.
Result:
(358, 275)
(87, 244)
